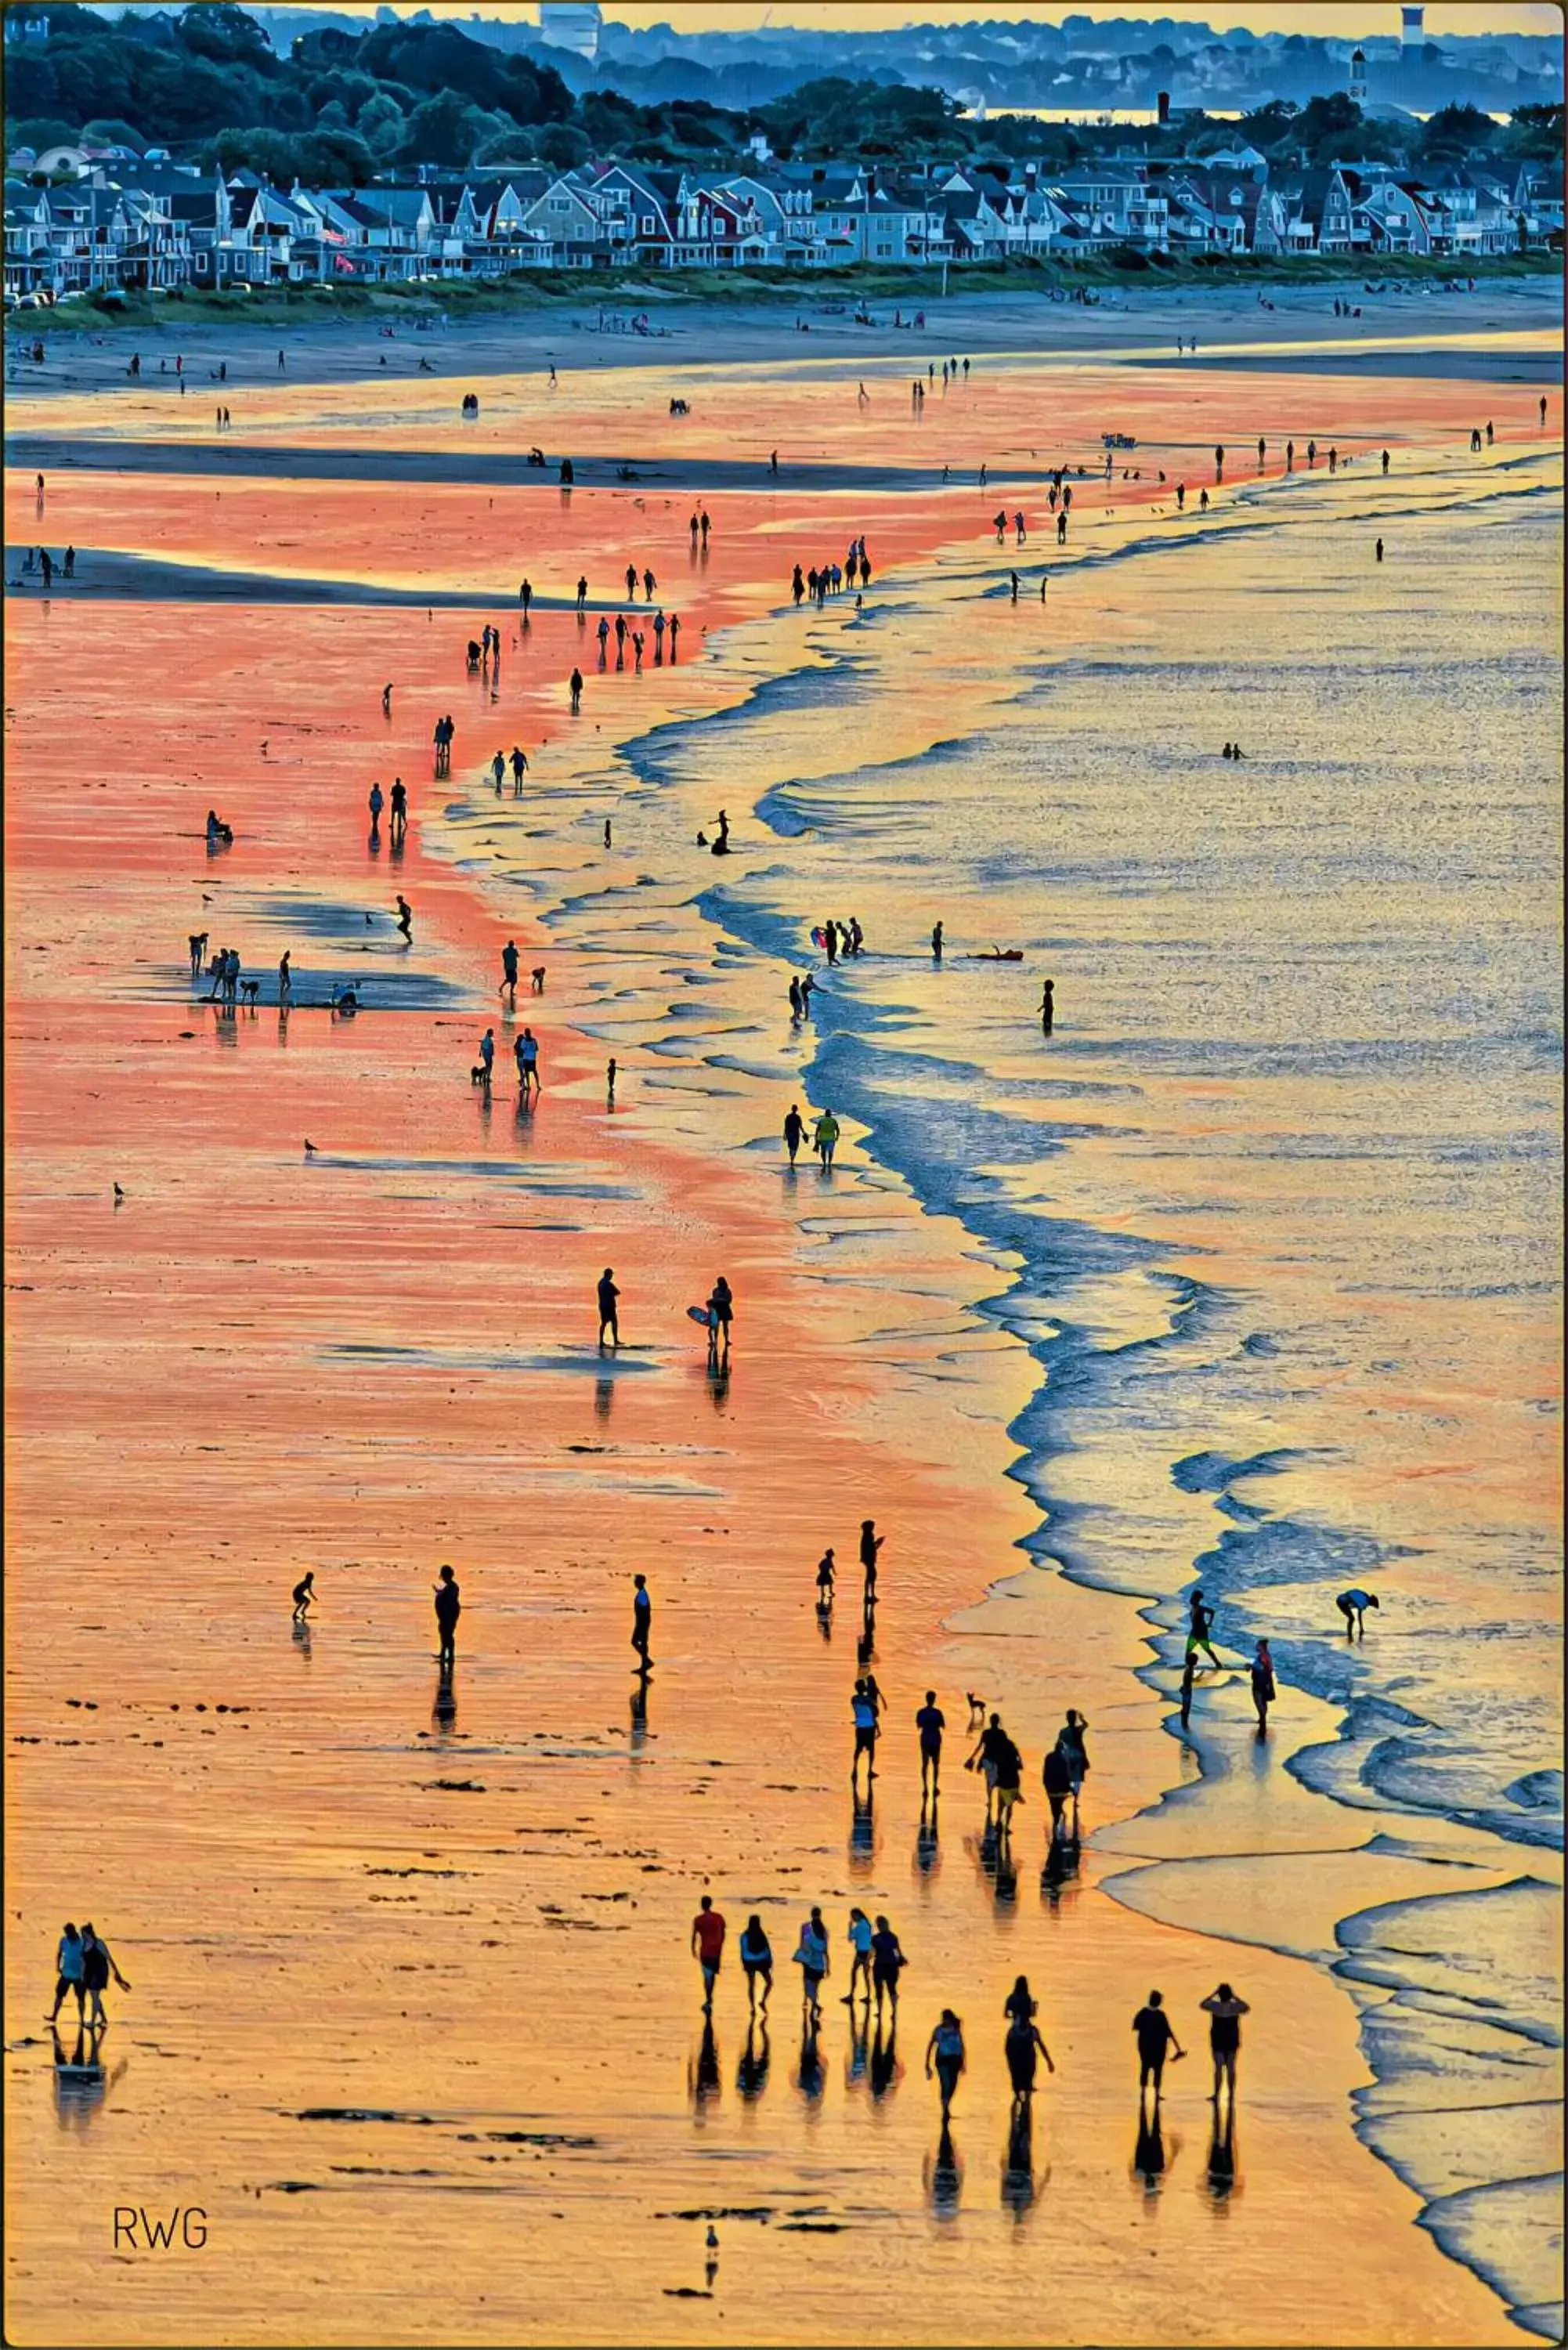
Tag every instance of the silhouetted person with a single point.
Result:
(641, 1621)
(1263, 1676)
(304, 1593)
(1048, 1007)
(1225, 2011)
(1156, 2039)
(945, 2057)
(937, 943)
(608, 1295)
(1352, 1607)
(448, 1609)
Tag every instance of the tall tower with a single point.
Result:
(1412, 28)
(1358, 76)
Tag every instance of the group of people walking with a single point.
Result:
(877, 1963)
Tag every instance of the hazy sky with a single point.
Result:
(1336, 20)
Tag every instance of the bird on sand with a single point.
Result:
(119, 1195)
(309, 1148)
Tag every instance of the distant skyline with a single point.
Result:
(1345, 20)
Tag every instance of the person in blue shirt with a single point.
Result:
(1353, 1606)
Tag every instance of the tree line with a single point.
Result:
(346, 107)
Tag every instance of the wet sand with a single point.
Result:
(371, 1979)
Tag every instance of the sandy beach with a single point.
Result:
(416, 2023)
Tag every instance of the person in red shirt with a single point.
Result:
(708, 1942)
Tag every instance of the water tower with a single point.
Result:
(1412, 28)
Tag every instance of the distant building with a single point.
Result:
(1358, 76)
(20, 25)
(571, 25)
(1412, 27)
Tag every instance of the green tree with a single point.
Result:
(563, 146)
(382, 124)
(1454, 131)
(110, 133)
(225, 35)
(445, 129)
(1330, 127)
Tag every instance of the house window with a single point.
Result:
(647, 224)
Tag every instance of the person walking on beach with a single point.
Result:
(284, 983)
(448, 1609)
(1156, 2037)
(936, 943)
(528, 1064)
(576, 684)
(721, 1314)
(399, 817)
(826, 1137)
(871, 1543)
(641, 1621)
(708, 1946)
(945, 2057)
(1075, 1753)
(1199, 1623)
(827, 1574)
(98, 1965)
(68, 1970)
(812, 1957)
(794, 1125)
(406, 920)
(887, 1962)
(984, 1757)
(756, 1962)
(860, 1937)
(1056, 1778)
(931, 1722)
(1225, 2011)
(1380, 550)
(1009, 1790)
(509, 971)
(1353, 1606)
(486, 1071)
(862, 1714)
(304, 1593)
(1262, 1685)
(1023, 2043)
(608, 1294)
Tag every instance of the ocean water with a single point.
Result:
(1277, 1198)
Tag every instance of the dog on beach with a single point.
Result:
(248, 989)
(976, 1709)
(479, 1074)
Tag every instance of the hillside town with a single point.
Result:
(86, 220)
